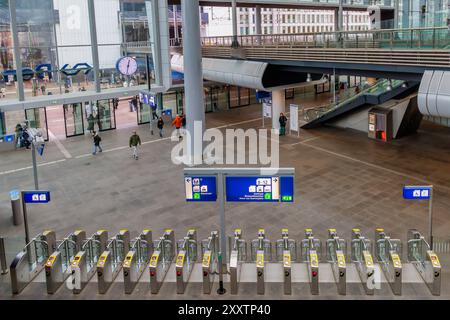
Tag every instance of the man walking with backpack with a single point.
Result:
(135, 140)
(97, 141)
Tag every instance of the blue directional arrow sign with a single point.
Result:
(36, 196)
(417, 192)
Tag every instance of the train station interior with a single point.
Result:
(224, 150)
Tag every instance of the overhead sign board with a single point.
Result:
(201, 188)
(417, 192)
(36, 196)
(259, 188)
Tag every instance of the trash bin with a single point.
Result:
(16, 207)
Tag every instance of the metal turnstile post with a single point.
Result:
(311, 249)
(286, 250)
(336, 251)
(238, 254)
(186, 258)
(137, 260)
(388, 252)
(111, 260)
(161, 260)
(84, 264)
(210, 250)
(261, 252)
(425, 261)
(31, 260)
(361, 256)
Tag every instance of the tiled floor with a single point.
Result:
(343, 180)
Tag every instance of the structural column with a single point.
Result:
(193, 80)
(175, 23)
(258, 28)
(235, 43)
(16, 50)
(278, 106)
(94, 44)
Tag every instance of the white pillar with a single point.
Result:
(278, 106)
(175, 23)
(193, 78)
(235, 43)
(258, 28)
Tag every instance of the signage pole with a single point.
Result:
(221, 196)
(25, 218)
(33, 156)
(430, 217)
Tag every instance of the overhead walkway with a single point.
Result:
(376, 94)
(348, 5)
(388, 53)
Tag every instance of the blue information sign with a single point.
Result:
(36, 196)
(201, 188)
(260, 189)
(417, 192)
(9, 138)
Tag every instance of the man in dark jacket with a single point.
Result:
(135, 140)
(160, 126)
(97, 141)
(283, 121)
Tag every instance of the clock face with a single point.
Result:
(127, 66)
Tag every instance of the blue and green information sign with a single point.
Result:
(259, 189)
(201, 188)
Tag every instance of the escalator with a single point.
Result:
(374, 95)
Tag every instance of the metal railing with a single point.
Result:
(422, 38)
(379, 87)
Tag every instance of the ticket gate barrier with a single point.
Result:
(238, 255)
(387, 253)
(84, 264)
(311, 251)
(286, 251)
(31, 260)
(362, 258)
(111, 260)
(336, 251)
(425, 261)
(137, 260)
(261, 250)
(161, 259)
(57, 267)
(210, 251)
(186, 258)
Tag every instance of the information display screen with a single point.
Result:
(260, 189)
(201, 188)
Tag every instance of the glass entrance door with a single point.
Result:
(106, 115)
(143, 113)
(37, 118)
(73, 119)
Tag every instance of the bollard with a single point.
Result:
(3, 264)
(16, 207)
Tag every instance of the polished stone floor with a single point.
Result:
(342, 180)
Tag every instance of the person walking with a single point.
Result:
(135, 140)
(178, 122)
(91, 123)
(160, 125)
(97, 141)
(183, 124)
(283, 121)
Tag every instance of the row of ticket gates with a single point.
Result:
(81, 258)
